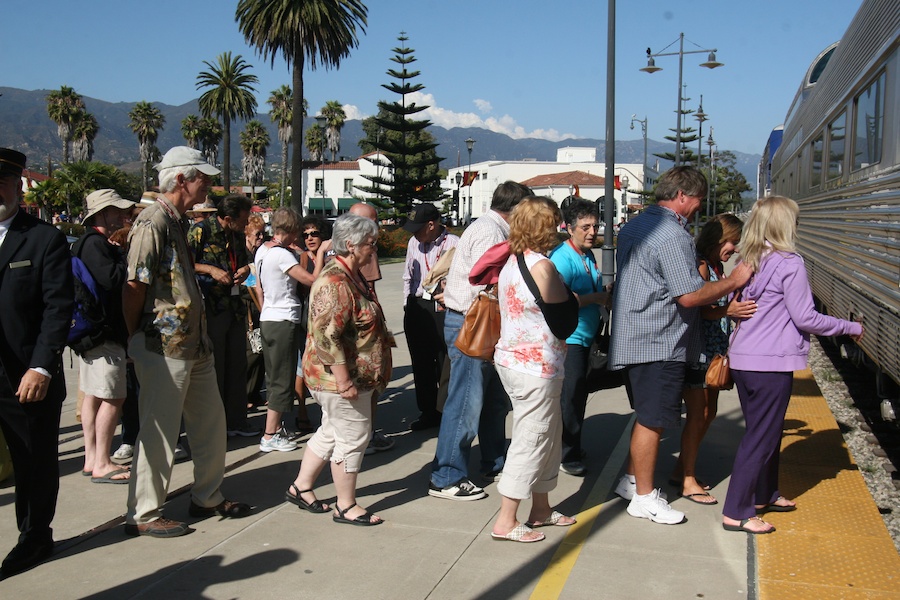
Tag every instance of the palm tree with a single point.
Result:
(84, 131)
(335, 115)
(190, 129)
(146, 122)
(230, 96)
(321, 32)
(210, 136)
(315, 142)
(62, 106)
(254, 141)
(281, 101)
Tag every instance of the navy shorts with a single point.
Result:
(654, 392)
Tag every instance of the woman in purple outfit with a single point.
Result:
(765, 351)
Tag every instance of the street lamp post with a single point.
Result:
(712, 176)
(470, 143)
(459, 178)
(701, 117)
(321, 121)
(624, 181)
(711, 63)
(644, 171)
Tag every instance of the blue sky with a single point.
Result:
(527, 68)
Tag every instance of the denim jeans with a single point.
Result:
(476, 404)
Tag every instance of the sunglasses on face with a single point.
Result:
(308, 234)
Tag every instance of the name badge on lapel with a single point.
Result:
(19, 264)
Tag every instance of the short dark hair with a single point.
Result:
(689, 180)
(233, 205)
(311, 220)
(578, 208)
(507, 195)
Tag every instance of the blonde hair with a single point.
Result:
(533, 225)
(772, 226)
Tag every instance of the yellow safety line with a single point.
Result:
(551, 583)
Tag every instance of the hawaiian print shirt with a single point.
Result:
(211, 244)
(173, 320)
(346, 326)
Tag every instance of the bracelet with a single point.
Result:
(346, 389)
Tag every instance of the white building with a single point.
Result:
(572, 165)
(331, 188)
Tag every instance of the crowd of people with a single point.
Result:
(208, 306)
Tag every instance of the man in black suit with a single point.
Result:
(36, 297)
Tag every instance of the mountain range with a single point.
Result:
(25, 126)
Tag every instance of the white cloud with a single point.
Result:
(353, 112)
(506, 124)
(483, 105)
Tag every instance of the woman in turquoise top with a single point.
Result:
(575, 262)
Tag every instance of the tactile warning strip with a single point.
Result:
(835, 545)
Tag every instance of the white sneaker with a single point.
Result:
(627, 488)
(278, 443)
(655, 508)
(124, 452)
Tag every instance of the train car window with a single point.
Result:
(869, 130)
(815, 171)
(837, 132)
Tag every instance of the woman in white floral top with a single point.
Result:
(529, 361)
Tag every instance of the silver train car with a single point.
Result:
(839, 158)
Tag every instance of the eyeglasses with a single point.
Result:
(259, 234)
(308, 234)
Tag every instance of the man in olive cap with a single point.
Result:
(36, 295)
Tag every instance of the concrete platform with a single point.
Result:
(428, 547)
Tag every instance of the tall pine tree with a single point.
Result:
(404, 141)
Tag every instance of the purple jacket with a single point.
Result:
(776, 338)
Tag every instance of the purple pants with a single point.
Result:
(754, 479)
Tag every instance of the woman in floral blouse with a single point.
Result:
(347, 360)
(529, 360)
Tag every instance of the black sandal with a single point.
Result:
(315, 506)
(363, 520)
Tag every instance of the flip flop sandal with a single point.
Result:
(554, 519)
(693, 498)
(742, 527)
(316, 506)
(774, 507)
(108, 478)
(518, 535)
(363, 520)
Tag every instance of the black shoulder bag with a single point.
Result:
(561, 317)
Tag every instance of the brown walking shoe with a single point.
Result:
(160, 528)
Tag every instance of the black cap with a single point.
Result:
(420, 215)
(12, 162)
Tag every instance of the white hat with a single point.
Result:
(198, 209)
(97, 200)
(182, 156)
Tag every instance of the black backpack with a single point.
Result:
(87, 329)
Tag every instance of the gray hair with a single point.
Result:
(167, 177)
(352, 229)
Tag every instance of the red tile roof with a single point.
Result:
(564, 179)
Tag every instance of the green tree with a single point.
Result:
(190, 129)
(335, 117)
(210, 137)
(85, 129)
(727, 184)
(146, 123)
(318, 32)
(405, 141)
(63, 106)
(230, 96)
(71, 183)
(254, 141)
(282, 102)
(315, 143)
